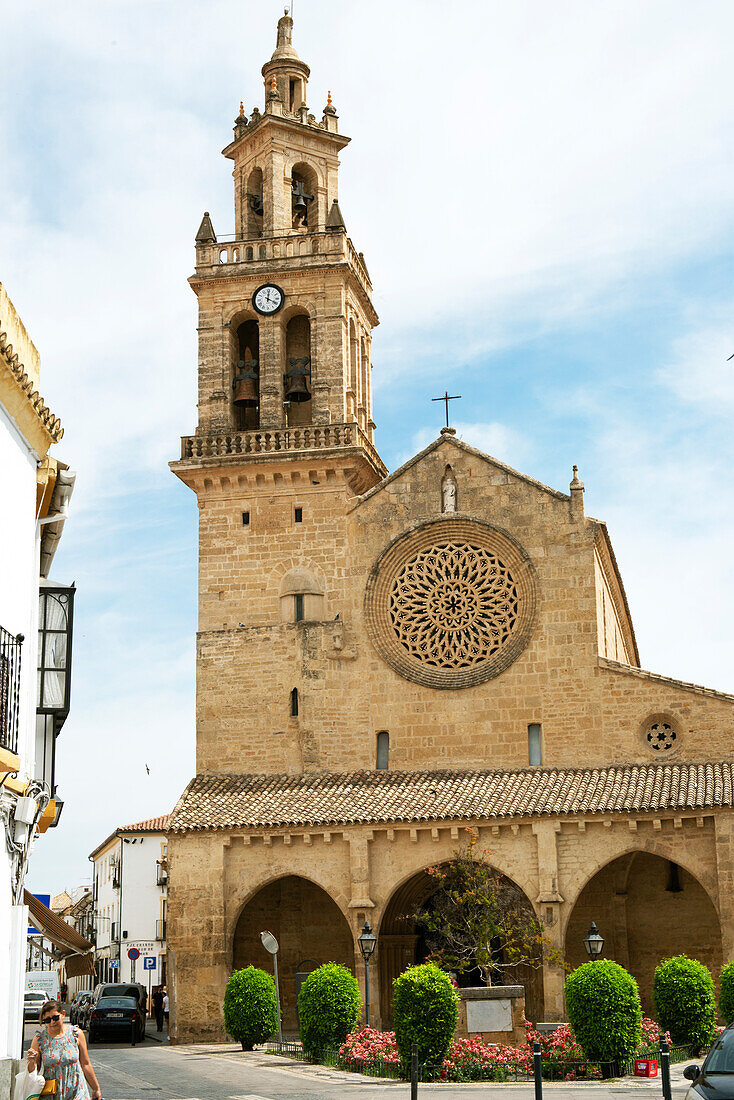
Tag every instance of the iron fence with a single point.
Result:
(10, 652)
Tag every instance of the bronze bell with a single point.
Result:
(245, 384)
(296, 388)
(300, 198)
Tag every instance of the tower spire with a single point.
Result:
(290, 73)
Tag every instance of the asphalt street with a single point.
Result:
(156, 1071)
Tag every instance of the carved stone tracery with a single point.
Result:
(451, 603)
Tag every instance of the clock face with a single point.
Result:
(268, 299)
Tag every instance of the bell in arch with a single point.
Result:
(296, 387)
(245, 384)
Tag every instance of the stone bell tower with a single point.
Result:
(284, 439)
(298, 353)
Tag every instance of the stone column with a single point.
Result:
(724, 837)
(548, 906)
(361, 905)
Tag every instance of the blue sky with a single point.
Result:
(544, 199)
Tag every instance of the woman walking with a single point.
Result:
(59, 1051)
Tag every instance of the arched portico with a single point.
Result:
(401, 944)
(647, 908)
(309, 927)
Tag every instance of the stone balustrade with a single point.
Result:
(273, 440)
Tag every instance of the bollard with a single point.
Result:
(132, 1031)
(665, 1069)
(538, 1071)
(414, 1072)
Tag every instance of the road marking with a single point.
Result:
(147, 1086)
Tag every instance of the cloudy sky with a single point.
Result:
(544, 196)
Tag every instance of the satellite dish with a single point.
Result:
(269, 942)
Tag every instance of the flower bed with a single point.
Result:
(375, 1052)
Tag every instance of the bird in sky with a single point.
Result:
(147, 769)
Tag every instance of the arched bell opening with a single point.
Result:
(297, 376)
(255, 207)
(304, 197)
(647, 908)
(307, 924)
(246, 378)
(402, 943)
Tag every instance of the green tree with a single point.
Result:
(250, 1007)
(683, 991)
(329, 1007)
(478, 917)
(604, 1010)
(425, 1012)
(726, 995)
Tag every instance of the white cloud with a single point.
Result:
(698, 371)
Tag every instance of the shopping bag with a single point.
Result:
(28, 1086)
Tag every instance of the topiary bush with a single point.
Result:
(250, 1007)
(726, 993)
(329, 1006)
(425, 1011)
(683, 991)
(604, 1010)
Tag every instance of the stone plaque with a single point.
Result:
(494, 1015)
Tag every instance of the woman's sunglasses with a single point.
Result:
(51, 1019)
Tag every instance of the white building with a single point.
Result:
(129, 890)
(35, 495)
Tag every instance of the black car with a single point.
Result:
(714, 1080)
(116, 1017)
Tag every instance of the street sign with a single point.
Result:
(149, 962)
(133, 954)
(114, 964)
(45, 899)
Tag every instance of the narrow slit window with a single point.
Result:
(298, 613)
(245, 519)
(294, 703)
(535, 749)
(383, 750)
(298, 515)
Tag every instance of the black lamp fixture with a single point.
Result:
(594, 942)
(367, 944)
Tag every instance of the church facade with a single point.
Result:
(385, 661)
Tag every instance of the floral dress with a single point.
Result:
(61, 1061)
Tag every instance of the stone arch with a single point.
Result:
(401, 944)
(305, 180)
(304, 583)
(308, 924)
(647, 906)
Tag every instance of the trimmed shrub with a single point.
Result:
(726, 994)
(329, 1006)
(683, 991)
(425, 1011)
(250, 1007)
(603, 1003)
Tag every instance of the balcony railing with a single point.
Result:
(10, 647)
(273, 440)
(160, 930)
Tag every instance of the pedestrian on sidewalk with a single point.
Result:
(158, 1007)
(59, 1051)
(166, 1010)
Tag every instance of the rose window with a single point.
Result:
(451, 602)
(453, 605)
(661, 736)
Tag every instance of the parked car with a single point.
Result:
(116, 1017)
(714, 1080)
(122, 989)
(33, 1002)
(79, 999)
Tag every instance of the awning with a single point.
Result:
(74, 949)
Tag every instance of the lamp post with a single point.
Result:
(367, 944)
(594, 942)
(270, 944)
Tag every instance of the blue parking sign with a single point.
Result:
(148, 962)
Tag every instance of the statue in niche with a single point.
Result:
(448, 491)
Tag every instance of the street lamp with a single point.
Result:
(367, 944)
(594, 942)
(270, 944)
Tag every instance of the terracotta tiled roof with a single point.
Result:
(314, 799)
(152, 825)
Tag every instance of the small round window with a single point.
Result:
(660, 734)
